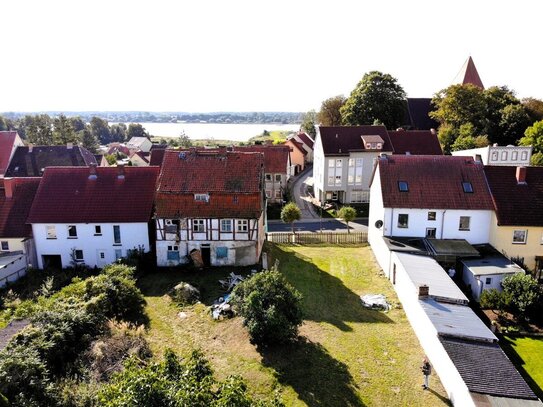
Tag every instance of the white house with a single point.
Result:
(139, 144)
(212, 202)
(92, 216)
(499, 155)
(441, 197)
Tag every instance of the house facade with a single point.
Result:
(308, 144)
(92, 216)
(297, 156)
(516, 227)
(499, 155)
(211, 202)
(139, 144)
(441, 197)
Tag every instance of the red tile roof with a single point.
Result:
(415, 142)
(516, 204)
(434, 182)
(276, 157)
(233, 181)
(7, 138)
(14, 211)
(296, 144)
(69, 195)
(308, 141)
(157, 155)
(340, 140)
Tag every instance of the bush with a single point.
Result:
(493, 299)
(184, 293)
(523, 291)
(270, 308)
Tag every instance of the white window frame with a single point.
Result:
(504, 155)
(74, 229)
(514, 156)
(431, 229)
(79, 258)
(97, 230)
(201, 197)
(433, 217)
(225, 222)
(198, 225)
(242, 225)
(5, 244)
(402, 225)
(173, 248)
(524, 155)
(50, 231)
(460, 223)
(115, 240)
(278, 176)
(268, 177)
(488, 280)
(278, 194)
(520, 236)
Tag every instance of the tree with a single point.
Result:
(330, 113)
(136, 130)
(537, 160)
(100, 130)
(77, 123)
(377, 96)
(513, 123)
(533, 136)
(185, 141)
(88, 140)
(5, 124)
(270, 307)
(347, 213)
(118, 132)
(291, 213)
(534, 108)
(467, 139)
(63, 132)
(523, 292)
(39, 130)
(308, 123)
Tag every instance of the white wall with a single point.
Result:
(478, 283)
(133, 235)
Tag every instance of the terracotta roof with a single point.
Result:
(232, 180)
(418, 117)
(416, 142)
(26, 163)
(297, 145)
(516, 204)
(14, 211)
(69, 195)
(118, 148)
(434, 182)
(486, 369)
(308, 141)
(468, 75)
(275, 156)
(340, 140)
(7, 138)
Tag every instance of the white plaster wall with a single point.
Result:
(133, 235)
(478, 283)
(15, 243)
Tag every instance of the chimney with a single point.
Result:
(69, 146)
(433, 131)
(8, 187)
(92, 171)
(424, 291)
(30, 147)
(521, 175)
(120, 171)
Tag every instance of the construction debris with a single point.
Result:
(375, 301)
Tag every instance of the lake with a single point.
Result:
(217, 131)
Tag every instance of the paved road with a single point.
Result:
(303, 200)
(328, 225)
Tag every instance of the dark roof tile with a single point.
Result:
(7, 139)
(15, 210)
(415, 142)
(340, 140)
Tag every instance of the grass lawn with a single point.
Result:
(346, 356)
(527, 354)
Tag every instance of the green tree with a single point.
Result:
(347, 213)
(99, 128)
(77, 123)
(534, 108)
(537, 160)
(6, 124)
(63, 132)
(330, 113)
(88, 140)
(533, 136)
(308, 123)
(136, 130)
(118, 132)
(185, 141)
(39, 130)
(513, 123)
(493, 299)
(291, 213)
(377, 96)
(467, 139)
(523, 291)
(270, 308)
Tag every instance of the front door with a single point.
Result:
(206, 254)
(101, 258)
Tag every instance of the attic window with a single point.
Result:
(201, 197)
(403, 186)
(467, 187)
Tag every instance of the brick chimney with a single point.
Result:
(120, 171)
(521, 175)
(9, 187)
(92, 171)
(424, 291)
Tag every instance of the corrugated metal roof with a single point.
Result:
(425, 270)
(494, 401)
(6, 260)
(492, 265)
(459, 321)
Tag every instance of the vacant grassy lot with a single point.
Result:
(527, 354)
(347, 355)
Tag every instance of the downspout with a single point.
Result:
(391, 224)
(442, 222)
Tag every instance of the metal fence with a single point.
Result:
(306, 238)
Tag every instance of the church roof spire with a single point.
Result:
(468, 74)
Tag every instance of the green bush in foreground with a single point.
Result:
(270, 308)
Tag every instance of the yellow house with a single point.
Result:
(517, 224)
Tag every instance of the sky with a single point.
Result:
(254, 55)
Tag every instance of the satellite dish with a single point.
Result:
(379, 224)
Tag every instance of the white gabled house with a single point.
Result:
(92, 216)
(211, 201)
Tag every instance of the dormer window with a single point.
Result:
(467, 187)
(201, 197)
(372, 142)
(403, 186)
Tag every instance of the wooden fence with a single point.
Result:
(306, 238)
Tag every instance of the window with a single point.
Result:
(51, 232)
(519, 236)
(494, 156)
(403, 220)
(331, 163)
(514, 155)
(201, 197)
(524, 155)
(488, 280)
(431, 216)
(334, 171)
(221, 252)
(463, 224)
(72, 232)
(431, 232)
(116, 234)
(118, 254)
(268, 177)
(198, 225)
(278, 194)
(268, 194)
(467, 187)
(335, 196)
(226, 225)
(338, 179)
(243, 225)
(339, 163)
(504, 155)
(97, 230)
(78, 255)
(5, 245)
(403, 186)
(331, 180)
(173, 252)
(356, 196)
(277, 177)
(354, 175)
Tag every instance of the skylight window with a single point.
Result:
(403, 186)
(467, 187)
